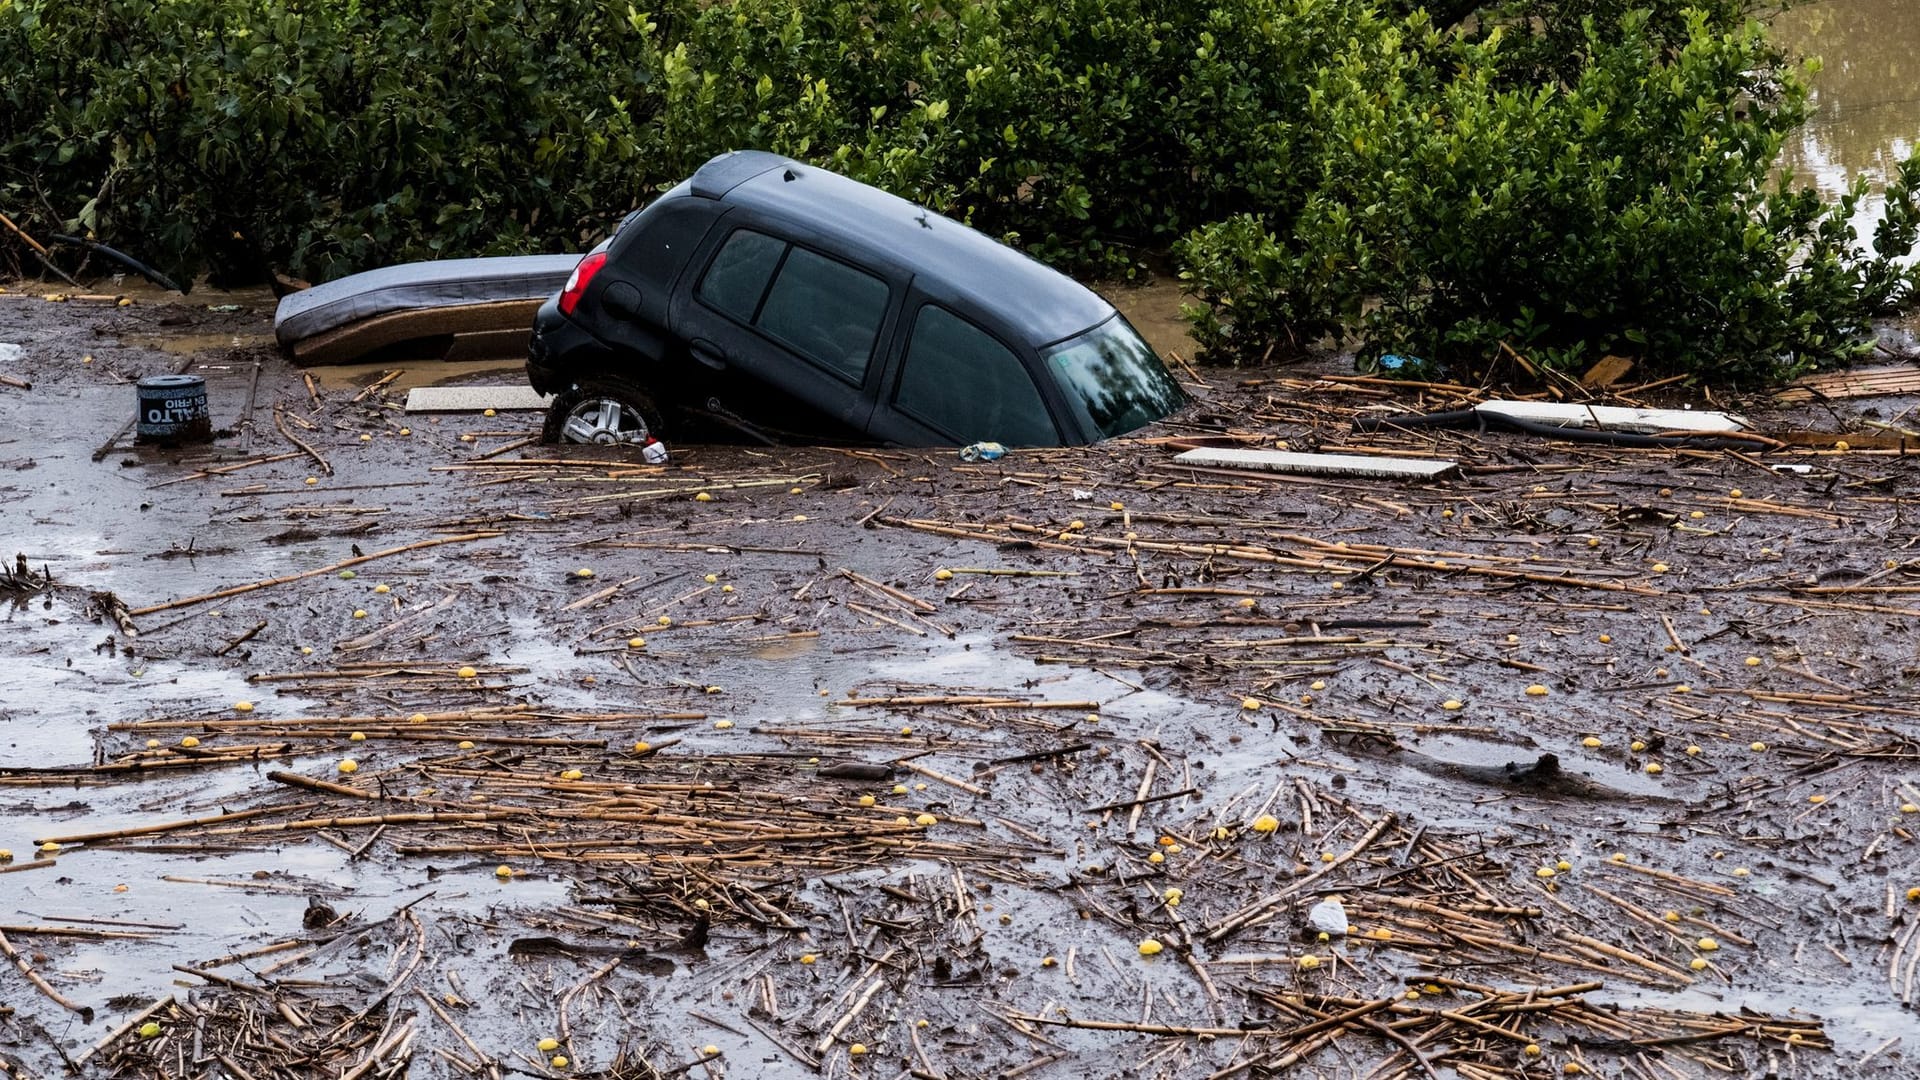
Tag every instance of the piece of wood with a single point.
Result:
(521, 398)
(1608, 371)
(1283, 461)
(1613, 417)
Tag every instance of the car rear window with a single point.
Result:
(825, 310)
(738, 277)
(960, 380)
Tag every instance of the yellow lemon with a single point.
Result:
(857, 1049)
(572, 774)
(359, 613)
(585, 572)
(1735, 493)
(943, 574)
(867, 800)
(1156, 858)
(417, 718)
(1266, 823)
(925, 820)
(1536, 690)
(549, 1045)
(189, 742)
(243, 706)
(559, 1061)
(50, 847)
(1654, 768)
(1076, 524)
(1757, 747)
(1307, 963)
(636, 643)
(703, 497)
(1698, 963)
(723, 725)
(1590, 743)
(1658, 568)
(1318, 684)
(358, 736)
(383, 588)
(664, 620)
(642, 747)
(1707, 944)
(503, 871)
(406, 431)
(489, 413)
(150, 1030)
(348, 765)
(468, 673)
(1532, 1050)
(1544, 872)
(466, 744)
(312, 480)
(1250, 704)
(1693, 751)
(1636, 745)
(1150, 947)
(1453, 705)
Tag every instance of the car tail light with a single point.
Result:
(577, 281)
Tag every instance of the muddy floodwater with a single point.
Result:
(366, 742)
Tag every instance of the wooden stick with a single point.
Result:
(280, 421)
(333, 569)
(26, 969)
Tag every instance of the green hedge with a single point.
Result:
(1568, 177)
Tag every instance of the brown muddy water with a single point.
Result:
(1178, 656)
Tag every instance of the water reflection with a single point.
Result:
(1866, 103)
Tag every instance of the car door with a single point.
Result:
(955, 382)
(791, 329)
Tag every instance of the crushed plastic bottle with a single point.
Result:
(983, 451)
(1329, 917)
(654, 452)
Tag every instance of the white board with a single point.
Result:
(1613, 417)
(1282, 461)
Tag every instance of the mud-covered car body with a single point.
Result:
(778, 298)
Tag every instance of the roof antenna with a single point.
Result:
(789, 176)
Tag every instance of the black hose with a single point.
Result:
(123, 259)
(1474, 418)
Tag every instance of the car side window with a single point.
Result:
(959, 379)
(826, 311)
(738, 276)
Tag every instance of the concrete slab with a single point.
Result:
(476, 399)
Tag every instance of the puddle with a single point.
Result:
(422, 372)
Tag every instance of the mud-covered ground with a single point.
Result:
(876, 763)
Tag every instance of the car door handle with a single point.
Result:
(708, 353)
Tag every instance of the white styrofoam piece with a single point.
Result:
(1613, 417)
(476, 399)
(1283, 461)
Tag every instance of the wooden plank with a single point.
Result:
(1612, 417)
(1860, 382)
(1281, 461)
(476, 399)
(1610, 370)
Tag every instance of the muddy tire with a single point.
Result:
(603, 412)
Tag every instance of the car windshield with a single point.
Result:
(1114, 381)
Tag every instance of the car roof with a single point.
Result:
(1043, 304)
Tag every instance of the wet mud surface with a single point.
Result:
(401, 752)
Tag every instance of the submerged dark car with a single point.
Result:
(786, 302)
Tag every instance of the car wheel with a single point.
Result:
(604, 412)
